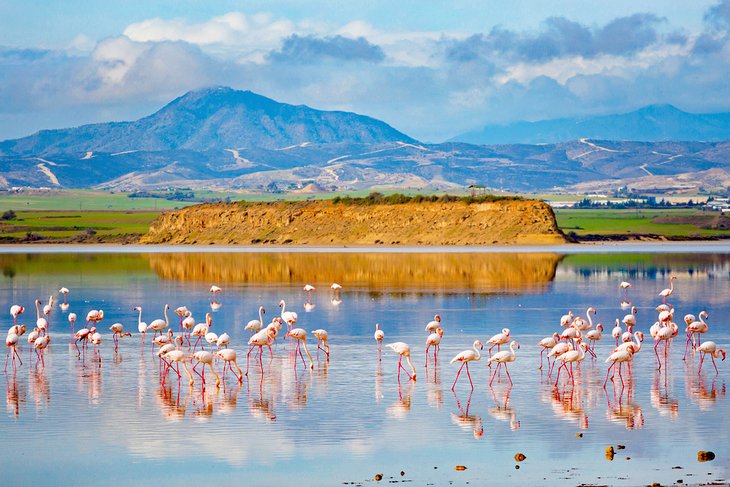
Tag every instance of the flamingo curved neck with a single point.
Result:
(261, 316)
(37, 308)
(588, 315)
(167, 321)
(139, 320)
(479, 355)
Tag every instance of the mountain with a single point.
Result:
(210, 119)
(649, 124)
(225, 139)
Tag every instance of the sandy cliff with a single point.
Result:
(327, 223)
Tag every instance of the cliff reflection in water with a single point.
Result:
(404, 271)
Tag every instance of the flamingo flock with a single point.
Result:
(571, 345)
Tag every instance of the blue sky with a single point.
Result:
(431, 69)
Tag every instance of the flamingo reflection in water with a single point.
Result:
(661, 397)
(503, 411)
(625, 412)
(503, 358)
(402, 406)
(466, 421)
(570, 404)
(262, 407)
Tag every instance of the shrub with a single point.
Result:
(9, 215)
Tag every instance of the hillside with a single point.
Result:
(649, 124)
(210, 119)
(503, 222)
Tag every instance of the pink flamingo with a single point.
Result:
(555, 352)
(434, 324)
(301, 336)
(710, 348)
(617, 331)
(255, 325)
(665, 334)
(40, 345)
(32, 337)
(570, 357)
(434, 340)
(665, 293)
(206, 358)
(498, 340)
(141, 325)
(503, 358)
(618, 357)
(11, 342)
(159, 324)
(625, 287)
(465, 357)
(15, 311)
(202, 329)
(322, 336)
(289, 317)
(695, 327)
(545, 344)
(566, 320)
(379, 335)
(228, 355)
(403, 350)
(40, 322)
(64, 305)
(595, 335)
(630, 319)
(308, 288)
(118, 330)
(261, 339)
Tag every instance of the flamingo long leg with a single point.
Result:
(469, 375)
(506, 369)
(452, 387)
(712, 356)
(702, 359)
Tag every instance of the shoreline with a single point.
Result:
(598, 247)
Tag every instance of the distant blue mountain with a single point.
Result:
(649, 124)
(210, 119)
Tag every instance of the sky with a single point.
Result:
(432, 69)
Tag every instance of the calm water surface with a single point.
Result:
(81, 423)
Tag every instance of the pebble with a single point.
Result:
(705, 456)
(620, 447)
(609, 453)
(579, 435)
(378, 477)
(460, 467)
(402, 473)
(520, 456)
(517, 467)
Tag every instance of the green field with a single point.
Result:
(687, 222)
(96, 225)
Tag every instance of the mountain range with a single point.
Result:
(650, 124)
(220, 138)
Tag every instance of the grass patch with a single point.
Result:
(626, 222)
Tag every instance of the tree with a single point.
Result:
(9, 215)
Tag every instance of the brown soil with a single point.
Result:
(708, 222)
(506, 222)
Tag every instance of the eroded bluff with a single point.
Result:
(507, 222)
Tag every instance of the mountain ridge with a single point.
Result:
(650, 123)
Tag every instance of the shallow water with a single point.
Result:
(78, 422)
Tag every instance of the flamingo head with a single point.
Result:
(137, 308)
(281, 303)
(263, 310)
(514, 343)
(440, 331)
(673, 278)
(37, 301)
(592, 310)
(704, 315)
(478, 344)
(505, 331)
(208, 319)
(640, 335)
(721, 352)
(437, 318)
(599, 327)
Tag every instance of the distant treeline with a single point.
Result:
(376, 198)
(644, 203)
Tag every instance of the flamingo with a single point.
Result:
(118, 330)
(556, 351)
(566, 320)
(15, 311)
(665, 334)
(81, 335)
(141, 325)
(696, 327)
(434, 340)
(72, 320)
(32, 337)
(570, 357)
(11, 342)
(95, 316)
(178, 357)
(228, 355)
(301, 336)
(322, 339)
(39, 345)
(379, 335)
(159, 324)
(214, 290)
(630, 319)
(625, 286)
(403, 350)
(289, 317)
(665, 293)
(17, 329)
(465, 357)
(223, 340)
(308, 288)
(211, 338)
(706, 348)
(260, 339)
(498, 340)
(502, 358)
(434, 324)
(40, 322)
(64, 305)
(547, 343)
(95, 339)
(256, 325)
(336, 300)
(48, 308)
(595, 335)
(182, 312)
(617, 357)
(617, 331)
(206, 358)
(201, 329)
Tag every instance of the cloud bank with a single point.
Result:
(431, 85)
